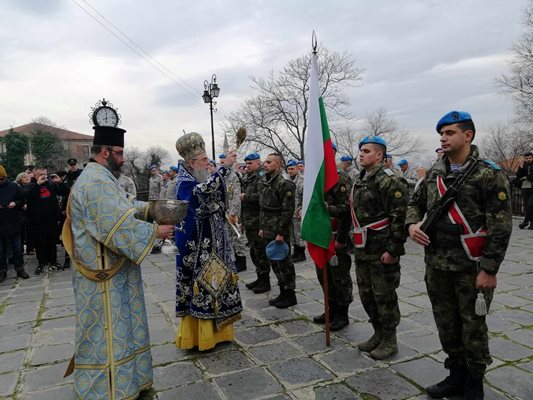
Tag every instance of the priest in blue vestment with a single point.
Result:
(207, 293)
(107, 238)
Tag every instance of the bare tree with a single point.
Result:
(519, 81)
(137, 164)
(276, 118)
(505, 144)
(378, 123)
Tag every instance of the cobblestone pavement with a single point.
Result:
(278, 354)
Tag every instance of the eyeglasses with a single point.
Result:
(118, 152)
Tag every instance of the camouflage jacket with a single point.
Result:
(484, 201)
(233, 190)
(379, 194)
(251, 187)
(338, 200)
(276, 206)
(170, 188)
(154, 187)
(299, 195)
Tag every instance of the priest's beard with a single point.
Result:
(114, 166)
(200, 174)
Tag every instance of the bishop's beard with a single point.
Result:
(201, 175)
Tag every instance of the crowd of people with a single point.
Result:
(255, 209)
(32, 215)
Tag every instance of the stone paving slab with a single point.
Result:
(278, 354)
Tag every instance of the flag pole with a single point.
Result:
(325, 286)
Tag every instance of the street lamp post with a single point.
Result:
(211, 90)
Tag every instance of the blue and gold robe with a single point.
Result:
(206, 286)
(107, 241)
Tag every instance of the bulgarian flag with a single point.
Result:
(320, 176)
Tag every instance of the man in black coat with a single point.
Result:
(10, 226)
(43, 212)
(525, 175)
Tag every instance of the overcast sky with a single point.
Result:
(421, 59)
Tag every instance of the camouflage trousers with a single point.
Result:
(283, 269)
(257, 252)
(296, 233)
(377, 285)
(237, 243)
(340, 286)
(463, 334)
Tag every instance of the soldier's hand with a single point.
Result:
(260, 233)
(11, 205)
(485, 281)
(417, 235)
(279, 238)
(387, 258)
(165, 231)
(232, 218)
(241, 196)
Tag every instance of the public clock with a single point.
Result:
(105, 115)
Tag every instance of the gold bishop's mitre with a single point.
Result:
(190, 145)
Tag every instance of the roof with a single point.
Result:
(61, 133)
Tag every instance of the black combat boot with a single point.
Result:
(452, 385)
(374, 340)
(21, 273)
(240, 263)
(277, 298)
(39, 270)
(253, 284)
(341, 318)
(298, 254)
(321, 319)
(288, 298)
(66, 264)
(523, 224)
(473, 389)
(263, 285)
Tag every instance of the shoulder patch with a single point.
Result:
(502, 196)
(492, 164)
(343, 188)
(289, 193)
(398, 194)
(388, 172)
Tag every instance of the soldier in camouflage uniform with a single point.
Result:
(296, 233)
(348, 166)
(340, 282)
(170, 186)
(455, 271)
(233, 215)
(250, 219)
(154, 183)
(276, 211)
(379, 204)
(164, 181)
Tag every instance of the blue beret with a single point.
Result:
(438, 149)
(403, 161)
(213, 162)
(252, 156)
(292, 163)
(301, 162)
(346, 158)
(373, 140)
(277, 251)
(334, 146)
(153, 166)
(453, 117)
(388, 156)
(174, 168)
(222, 155)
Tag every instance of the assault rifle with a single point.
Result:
(434, 214)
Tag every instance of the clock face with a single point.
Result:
(106, 116)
